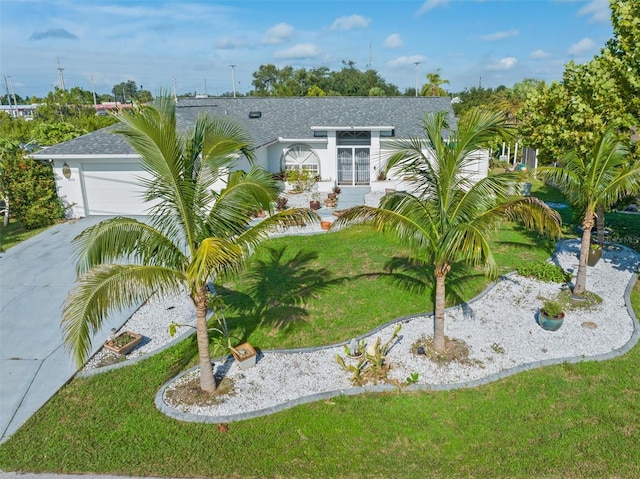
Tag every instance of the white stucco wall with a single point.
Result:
(70, 189)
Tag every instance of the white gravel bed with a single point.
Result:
(500, 330)
(152, 321)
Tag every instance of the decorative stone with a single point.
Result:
(589, 325)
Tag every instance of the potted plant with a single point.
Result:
(334, 193)
(595, 253)
(551, 315)
(123, 343)
(314, 204)
(245, 355)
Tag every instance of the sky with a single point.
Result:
(193, 44)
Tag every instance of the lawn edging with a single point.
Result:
(633, 340)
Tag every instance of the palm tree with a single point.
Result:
(433, 88)
(194, 233)
(446, 217)
(593, 180)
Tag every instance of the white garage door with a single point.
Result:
(114, 189)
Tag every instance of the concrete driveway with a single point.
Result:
(35, 278)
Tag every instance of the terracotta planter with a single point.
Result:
(245, 355)
(594, 256)
(120, 344)
(325, 225)
(314, 205)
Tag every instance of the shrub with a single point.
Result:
(543, 271)
(31, 189)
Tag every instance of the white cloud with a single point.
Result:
(430, 5)
(406, 61)
(349, 23)
(302, 50)
(539, 54)
(507, 63)
(598, 10)
(279, 33)
(228, 43)
(581, 47)
(500, 35)
(393, 41)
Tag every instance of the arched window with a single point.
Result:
(301, 157)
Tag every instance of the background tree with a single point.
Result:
(195, 234)
(270, 80)
(592, 96)
(433, 87)
(445, 218)
(125, 91)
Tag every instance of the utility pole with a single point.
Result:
(6, 89)
(93, 90)
(60, 75)
(205, 88)
(175, 94)
(416, 64)
(13, 93)
(233, 79)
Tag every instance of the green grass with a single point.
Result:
(322, 289)
(15, 233)
(565, 421)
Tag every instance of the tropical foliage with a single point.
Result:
(603, 92)
(195, 233)
(29, 188)
(447, 218)
(594, 179)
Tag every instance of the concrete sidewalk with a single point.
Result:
(35, 278)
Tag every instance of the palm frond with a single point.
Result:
(281, 221)
(125, 240)
(214, 256)
(105, 289)
(406, 224)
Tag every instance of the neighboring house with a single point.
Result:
(20, 111)
(343, 140)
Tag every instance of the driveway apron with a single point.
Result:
(35, 278)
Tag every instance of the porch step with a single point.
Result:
(351, 196)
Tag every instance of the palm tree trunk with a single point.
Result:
(207, 381)
(438, 326)
(600, 224)
(581, 279)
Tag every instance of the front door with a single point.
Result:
(353, 166)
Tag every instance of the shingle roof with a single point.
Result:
(280, 117)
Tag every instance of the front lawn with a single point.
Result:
(15, 233)
(561, 421)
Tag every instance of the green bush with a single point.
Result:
(543, 271)
(31, 189)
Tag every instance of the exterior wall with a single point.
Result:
(70, 190)
(122, 186)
